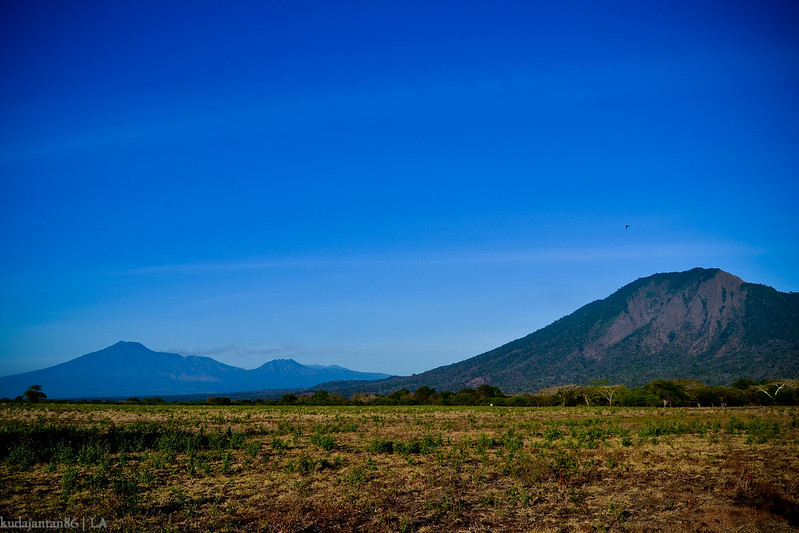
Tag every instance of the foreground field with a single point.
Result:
(199, 468)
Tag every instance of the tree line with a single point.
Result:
(658, 393)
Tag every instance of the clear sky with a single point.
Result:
(388, 186)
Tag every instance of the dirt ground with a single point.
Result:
(293, 469)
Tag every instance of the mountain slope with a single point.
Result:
(131, 369)
(703, 324)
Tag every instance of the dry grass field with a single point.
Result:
(292, 469)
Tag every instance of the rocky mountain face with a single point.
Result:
(691, 316)
(131, 369)
(701, 324)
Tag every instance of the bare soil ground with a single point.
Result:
(306, 469)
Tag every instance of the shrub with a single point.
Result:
(22, 455)
(69, 482)
(127, 493)
(326, 442)
(253, 448)
(380, 445)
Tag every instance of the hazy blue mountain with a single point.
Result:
(702, 324)
(131, 369)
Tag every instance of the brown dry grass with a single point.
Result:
(425, 469)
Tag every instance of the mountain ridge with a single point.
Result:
(131, 369)
(703, 324)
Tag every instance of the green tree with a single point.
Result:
(669, 392)
(401, 397)
(219, 400)
(488, 391)
(464, 397)
(35, 394)
(640, 397)
(153, 400)
(562, 394)
(772, 388)
(609, 393)
(288, 399)
(320, 397)
(423, 394)
(743, 383)
(729, 396)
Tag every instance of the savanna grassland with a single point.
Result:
(418, 468)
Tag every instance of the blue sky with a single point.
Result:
(388, 186)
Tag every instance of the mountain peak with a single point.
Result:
(126, 343)
(703, 323)
(692, 306)
(124, 348)
(131, 369)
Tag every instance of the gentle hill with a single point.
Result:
(701, 324)
(131, 369)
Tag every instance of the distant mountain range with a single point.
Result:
(701, 324)
(130, 369)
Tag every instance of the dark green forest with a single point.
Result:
(658, 393)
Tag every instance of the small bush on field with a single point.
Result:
(236, 440)
(511, 441)
(93, 454)
(662, 427)
(327, 464)
(517, 496)
(589, 437)
(279, 445)
(529, 468)
(127, 493)
(62, 454)
(734, 425)
(430, 442)
(227, 462)
(326, 442)
(228, 440)
(252, 448)
(146, 475)
(287, 428)
(759, 431)
(415, 445)
(380, 445)
(22, 455)
(356, 477)
(302, 465)
(552, 434)
(698, 428)
(485, 442)
(69, 482)
(563, 464)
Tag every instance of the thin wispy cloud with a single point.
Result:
(246, 357)
(492, 257)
